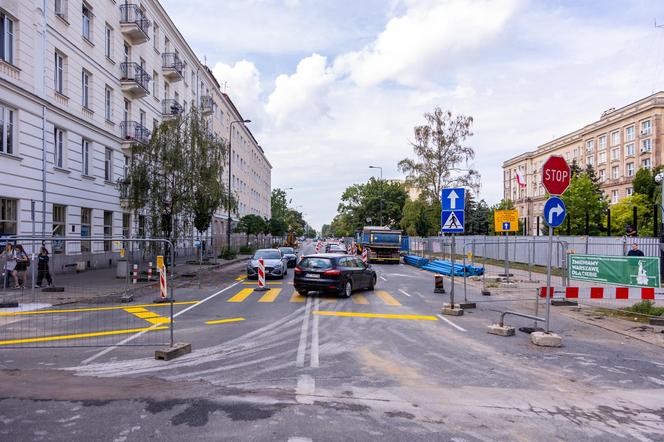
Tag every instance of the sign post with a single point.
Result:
(506, 221)
(556, 176)
(452, 221)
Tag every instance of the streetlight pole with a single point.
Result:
(230, 187)
(381, 192)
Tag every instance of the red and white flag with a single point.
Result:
(520, 179)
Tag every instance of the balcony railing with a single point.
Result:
(170, 107)
(134, 24)
(207, 105)
(135, 132)
(135, 77)
(172, 66)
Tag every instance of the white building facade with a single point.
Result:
(80, 84)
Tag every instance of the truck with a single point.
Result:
(382, 243)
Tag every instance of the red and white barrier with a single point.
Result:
(261, 273)
(365, 255)
(134, 279)
(163, 289)
(633, 293)
(150, 271)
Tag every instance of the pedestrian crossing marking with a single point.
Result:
(159, 320)
(223, 321)
(241, 295)
(297, 297)
(270, 296)
(135, 309)
(387, 298)
(360, 299)
(147, 315)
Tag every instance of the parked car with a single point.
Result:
(276, 265)
(289, 253)
(335, 273)
(334, 248)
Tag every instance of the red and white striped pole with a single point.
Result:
(261, 275)
(163, 289)
(150, 271)
(365, 255)
(135, 274)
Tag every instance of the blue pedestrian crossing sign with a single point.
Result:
(554, 211)
(453, 206)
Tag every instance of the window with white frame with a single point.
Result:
(108, 41)
(108, 103)
(615, 138)
(108, 230)
(646, 163)
(590, 145)
(85, 157)
(629, 133)
(61, 8)
(155, 36)
(8, 216)
(629, 149)
(86, 16)
(86, 228)
(615, 172)
(108, 164)
(630, 169)
(6, 38)
(602, 142)
(646, 145)
(7, 115)
(575, 152)
(602, 175)
(590, 160)
(155, 84)
(615, 196)
(629, 191)
(58, 147)
(59, 227)
(646, 127)
(615, 154)
(602, 157)
(85, 88)
(59, 73)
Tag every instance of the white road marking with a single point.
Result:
(381, 277)
(299, 439)
(402, 291)
(315, 362)
(132, 337)
(304, 391)
(451, 323)
(302, 347)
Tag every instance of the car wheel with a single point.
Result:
(373, 282)
(348, 290)
(303, 292)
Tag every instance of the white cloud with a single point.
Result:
(241, 82)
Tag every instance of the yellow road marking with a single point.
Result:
(81, 335)
(145, 315)
(223, 321)
(266, 283)
(375, 315)
(159, 320)
(387, 298)
(241, 278)
(360, 299)
(241, 295)
(270, 296)
(135, 309)
(95, 309)
(297, 297)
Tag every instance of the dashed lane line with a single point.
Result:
(302, 346)
(314, 358)
(451, 323)
(403, 292)
(375, 315)
(224, 321)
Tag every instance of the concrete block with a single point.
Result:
(657, 321)
(127, 298)
(563, 303)
(53, 289)
(501, 330)
(178, 349)
(544, 339)
(449, 311)
(161, 300)
(486, 293)
(467, 305)
(9, 304)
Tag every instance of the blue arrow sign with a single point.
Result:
(454, 199)
(506, 226)
(554, 211)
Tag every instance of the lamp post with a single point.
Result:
(659, 179)
(381, 192)
(230, 187)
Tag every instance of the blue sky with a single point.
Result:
(333, 86)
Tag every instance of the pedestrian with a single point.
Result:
(635, 250)
(42, 268)
(10, 265)
(22, 264)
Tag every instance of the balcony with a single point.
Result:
(122, 185)
(207, 105)
(170, 108)
(172, 66)
(134, 80)
(133, 133)
(134, 25)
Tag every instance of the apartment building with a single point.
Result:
(80, 84)
(617, 145)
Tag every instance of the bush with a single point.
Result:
(647, 308)
(228, 254)
(246, 250)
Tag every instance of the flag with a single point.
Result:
(520, 178)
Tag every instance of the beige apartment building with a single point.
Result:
(617, 145)
(81, 83)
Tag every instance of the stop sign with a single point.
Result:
(556, 175)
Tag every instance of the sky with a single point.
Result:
(334, 86)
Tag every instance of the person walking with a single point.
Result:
(22, 263)
(635, 250)
(10, 266)
(42, 268)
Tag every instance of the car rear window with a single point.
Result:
(286, 250)
(267, 254)
(316, 263)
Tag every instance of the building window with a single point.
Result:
(6, 129)
(615, 154)
(630, 169)
(602, 175)
(8, 216)
(629, 148)
(86, 228)
(59, 227)
(108, 164)
(646, 163)
(6, 38)
(602, 157)
(126, 225)
(590, 161)
(108, 41)
(155, 125)
(602, 142)
(590, 145)
(155, 36)
(141, 117)
(575, 153)
(85, 157)
(646, 145)
(155, 84)
(59, 74)
(629, 191)
(86, 16)
(108, 103)
(59, 147)
(615, 172)
(629, 133)
(61, 8)
(85, 89)
(615, 138)
(108, 230)
(646, 127)
(126, 110)
(615, 196)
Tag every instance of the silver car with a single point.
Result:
(276, 265)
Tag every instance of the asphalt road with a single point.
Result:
(277, 366)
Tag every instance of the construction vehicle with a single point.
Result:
(291, 240)
(382, 244)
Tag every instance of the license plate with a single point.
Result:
(312, 275)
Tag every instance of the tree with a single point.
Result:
(251, 225)
(361, 202)
(341, 226)
(441, 152)
(415, 220)
(326, 230)
(279, 204)
(622, 214)
(584, 196)
(477, 217)
(277, 227)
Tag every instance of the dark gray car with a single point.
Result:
(275, 264)
(289, 253)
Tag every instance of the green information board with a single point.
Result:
(635, 271)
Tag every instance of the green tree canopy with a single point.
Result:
(360, 202)
(622, 215)
(415, 220)
(585, 196)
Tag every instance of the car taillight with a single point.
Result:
(298, 270)
(332, 273)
